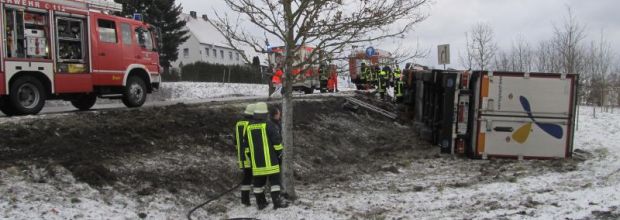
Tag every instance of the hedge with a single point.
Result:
(206, 72)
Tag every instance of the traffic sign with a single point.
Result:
(443, 54)
(137, 16)
(370, 51)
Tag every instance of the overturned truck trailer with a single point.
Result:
(496, 114)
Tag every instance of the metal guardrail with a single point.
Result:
(373, 108)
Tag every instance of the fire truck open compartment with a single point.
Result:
(27, 33)
(71, 42)
(501, 114)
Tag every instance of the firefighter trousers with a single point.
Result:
(246, 183)
(259, 183)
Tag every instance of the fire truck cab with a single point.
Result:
(307, 81)
(74, 51)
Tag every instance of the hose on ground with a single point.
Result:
(189, 214)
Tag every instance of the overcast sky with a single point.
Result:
(532, 20)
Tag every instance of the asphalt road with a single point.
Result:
(66, 108)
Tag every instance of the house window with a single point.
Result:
(230, 55)
(215, 53)
(222, 54)
(207, 51)
(237, 56)
(186, 52)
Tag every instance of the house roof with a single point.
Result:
(207, 34)
(204, 31)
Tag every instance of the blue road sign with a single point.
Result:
(137, 16)
(370, 51)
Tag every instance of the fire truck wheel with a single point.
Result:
(135, 92)
(84, 102)
(5, 107)
(308, 90)
(27, 96)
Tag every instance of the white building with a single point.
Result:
(205, 44)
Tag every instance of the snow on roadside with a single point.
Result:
(194, 90)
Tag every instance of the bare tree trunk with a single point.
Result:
(288, 181)
(329, 26)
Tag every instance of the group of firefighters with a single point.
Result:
(382, 79)
(259, 154)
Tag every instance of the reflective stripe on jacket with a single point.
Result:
(242, 145)
(262, 141)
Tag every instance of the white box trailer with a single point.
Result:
(522, 115)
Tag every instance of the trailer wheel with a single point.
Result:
(134, 94)
(84, 102)
(27, 96)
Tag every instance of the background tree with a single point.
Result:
(547, 57)
(329, 25)
(569, 51)
(467, 59)
(481, 45)
(166, 15)
(503, 61)
(567, 41)
(597, 64)
(522, 56)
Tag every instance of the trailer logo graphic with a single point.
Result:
(523, 133)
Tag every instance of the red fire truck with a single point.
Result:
(306, 82)
(74, 51)
(378, 58)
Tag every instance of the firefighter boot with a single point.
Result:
(261, 201)
(277, 201)
(245, 198)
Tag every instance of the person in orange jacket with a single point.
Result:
(276, 80)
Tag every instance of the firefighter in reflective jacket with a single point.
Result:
(374, 75)
(399, 85)
(382, 82)
(363, 76)
(243, 151)
(265, 145)
(369, 78)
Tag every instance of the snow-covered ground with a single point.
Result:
(437, 188)
(447, 189)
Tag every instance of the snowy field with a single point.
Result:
(591, 190)
(434, 188)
